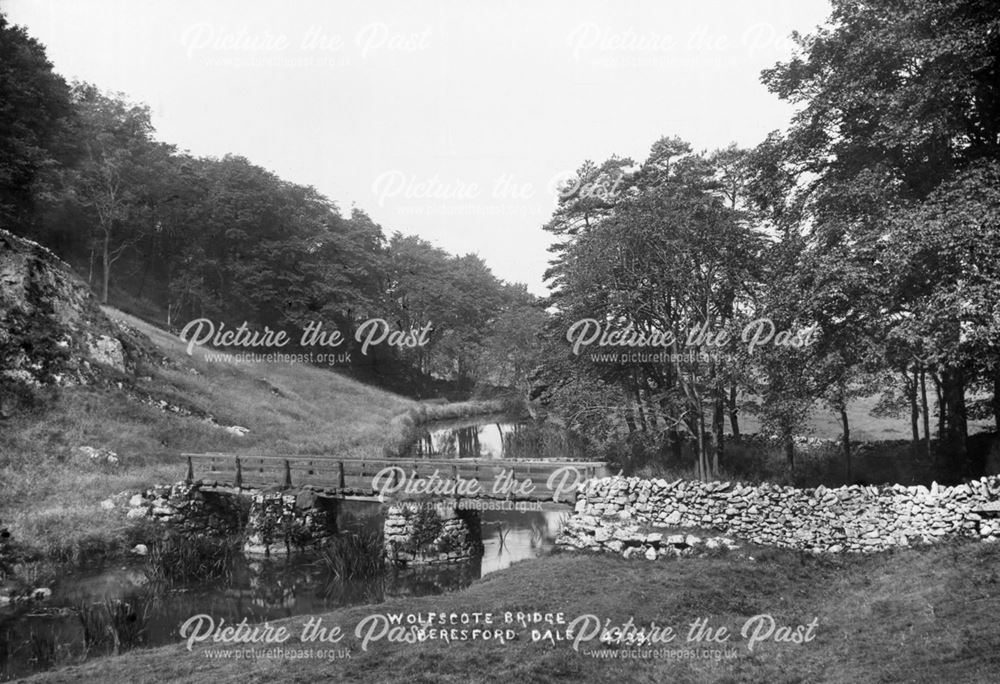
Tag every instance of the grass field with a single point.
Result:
(51, 493)
(926, 615)
(825, 423)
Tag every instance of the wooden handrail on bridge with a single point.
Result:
(355, 474)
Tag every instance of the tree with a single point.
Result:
(34, 112)
(898, 100)
(512, 342)
(458, 295)
(666, 256)
(119, 163)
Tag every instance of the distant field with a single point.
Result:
(824, 423)
(51, 492)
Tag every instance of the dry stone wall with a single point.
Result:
(844, 519)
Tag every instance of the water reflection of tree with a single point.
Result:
(542, 441)
(427, 580)
(462, 442)
(530, 440)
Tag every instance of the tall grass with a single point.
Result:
(114, 625)
(354, 556)
(43, 649)
(176, 559)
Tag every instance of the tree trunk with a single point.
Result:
(953, 385)
(911, 395)
(106, 255)
(676, 444)
(790, 454)
(642, 414)
(90, 268)
(718, 430)
(942, 410)
(651, 414)
(702, 455)
(630, 419)
(926, 413)
(847, 442)
(734, 420)
(996, 398)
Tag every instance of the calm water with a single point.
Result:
(496, 437)
(41, 635)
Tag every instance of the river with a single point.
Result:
(39, 635)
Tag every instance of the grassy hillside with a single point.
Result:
(52, 492)
(925, 615)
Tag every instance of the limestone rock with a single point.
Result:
(41, 298)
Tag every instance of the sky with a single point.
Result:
(454, 120)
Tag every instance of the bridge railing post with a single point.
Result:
(239, 473)
(190, 473)
(288, 475)
(340, 469)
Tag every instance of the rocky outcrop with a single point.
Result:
(844, 519)
(52, 330)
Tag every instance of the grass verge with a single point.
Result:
(919, 615)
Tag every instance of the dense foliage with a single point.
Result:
(174, 237)
(872, 220)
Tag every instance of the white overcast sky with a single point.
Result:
(450, 119)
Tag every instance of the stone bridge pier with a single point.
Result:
(278, 522)
(282, 522)
(427, 531)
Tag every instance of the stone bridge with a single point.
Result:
(294, 501)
